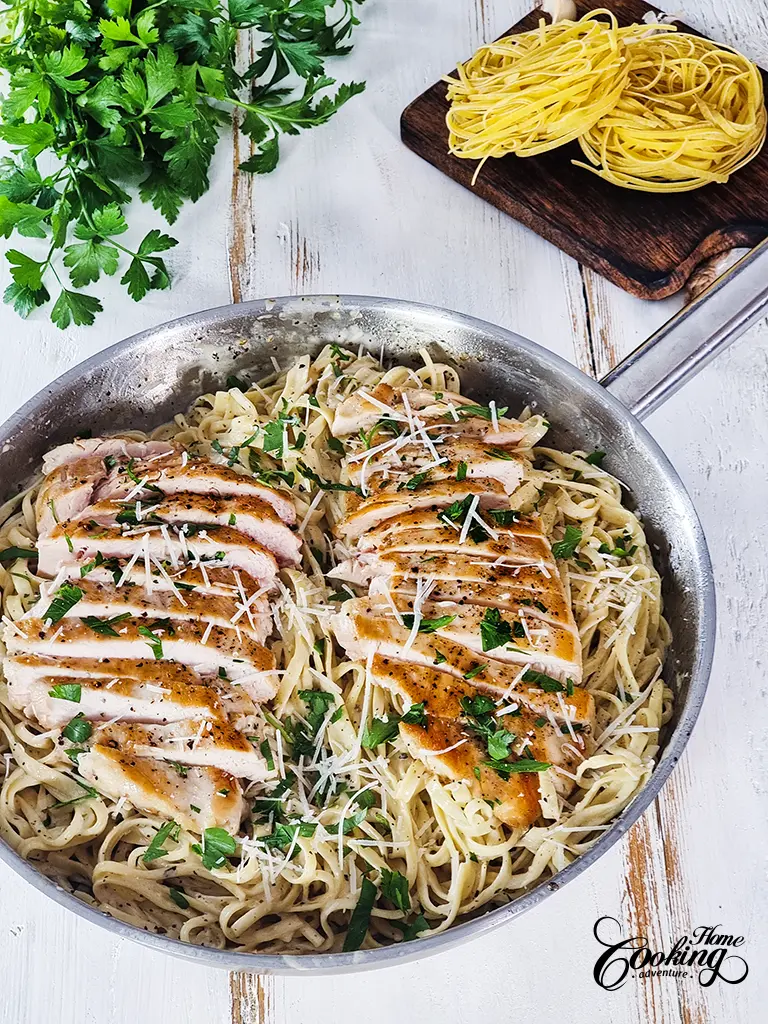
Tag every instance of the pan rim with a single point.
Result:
(338, 963)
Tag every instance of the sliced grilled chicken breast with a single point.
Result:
(457, 566)
(376, 510)
(202, 578)
(106, 600)
(203, 798)
(119, 448)
(362, 631)
(207, 743)
(244, 661)
(70, 543)
(363, 409)
(555, 647)
(175, 475)
(562, 740)
(431, 517)
(397, 467)
(450, 752)
(139, 691)
(248, 515)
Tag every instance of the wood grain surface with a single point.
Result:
(647, 243)
(373, 218)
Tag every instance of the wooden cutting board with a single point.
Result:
(647, 243)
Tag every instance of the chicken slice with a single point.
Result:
(251, 516)
(401, 466)
(375, 510)
(139, 691)
(202, 578)
(80, 541)
(85, 472)
(456, 567)
(203, 798)
(433, 517)
(74, 471)
(244, 661)
(450, 747)
(559, 740)
(363, 409)
(105, 448)
(362, 631)
(534, 637)
(514, 601)
(196, 475)
(105, 601)
(207, 743)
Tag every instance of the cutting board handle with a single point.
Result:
(718, 315)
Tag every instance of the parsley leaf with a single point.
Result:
(428, 625)
(494, 631)
(66, 691)
(65, 598)
(78, 729)
(566, 547)
(394, 887)
(156, 849)
(218, 844)
(361, 916)
(105, 627)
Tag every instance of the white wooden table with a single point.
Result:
(350, 209)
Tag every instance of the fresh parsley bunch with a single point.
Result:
(109, 98)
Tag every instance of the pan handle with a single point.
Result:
(685, 344)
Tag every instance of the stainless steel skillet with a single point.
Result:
(144, 380)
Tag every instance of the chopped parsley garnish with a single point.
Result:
(440, 658)
(461, 471)
(415, 715)
(394, 887)
(335, 445)
(283, 836)
(380, 731)
(475, 671)
(326, 485)
(318, 703)
(52, 507)
(458, 512)
(89, 794)
(500, 453)
(266, 753)
(179, 768)
(494, 630)
(65, 598)
(539, 722)
(428, 625)
(78, 729)
(545, 682)
(414, 929)
(154, 642)
(319, 647)
(232, 519)
(566, 547)
(237, 382)
(595, 459)
(417, 480)
(624, 549)
(483, 411)
(178, 897)
(218, 844)
(105, 627)
(90, 566)
(67, 691)
(274, 432)
(361, 916)
(156, 849)
(9, 554)
(390, 425)
(569, 687)
(340, 596)
(504, 516)
(521, 767)
(110, 462)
